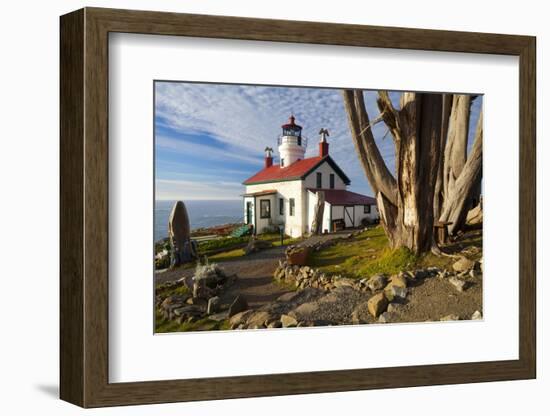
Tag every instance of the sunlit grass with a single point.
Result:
(369, 253)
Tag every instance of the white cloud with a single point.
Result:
(170, 189)
(247, 118)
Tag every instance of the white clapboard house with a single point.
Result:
(286, 194)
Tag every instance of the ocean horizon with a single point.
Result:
(202, 213)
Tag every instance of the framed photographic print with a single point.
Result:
(255, 207)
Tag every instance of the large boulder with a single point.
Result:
(179, 236)
(395, 293)
(258, 319)
(398, 280)
(288, 321)
(240, 318)
(377, 282)
(463, 265)
(377, 304)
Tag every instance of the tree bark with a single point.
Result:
(434, 179)
(460, 191)
(376, 171)
(317, 225)
(406, 208)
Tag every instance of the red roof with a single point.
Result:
(275, 173)
(343, 197)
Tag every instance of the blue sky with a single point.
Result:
(210, 137)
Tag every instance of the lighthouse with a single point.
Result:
(292, 146)
(288, 196)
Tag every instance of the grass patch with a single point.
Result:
(369, 253)
(165, 291)
(162, 325)
(227, 255)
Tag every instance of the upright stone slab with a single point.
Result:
(179, 234)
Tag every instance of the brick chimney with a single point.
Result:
(268, 160)
(323, 144)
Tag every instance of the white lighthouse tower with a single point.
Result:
(292, 146)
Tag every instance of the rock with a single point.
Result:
(395, 292)
(360, 314)
(188, 310)
(398, 280)
(384, 318)
(274, 323)
(179, 233)
(305, 309)
(377, 282)
(288, 321)
(457, 283)
(451, 317)
(476, 316)
(407, 275)
(220, 316)
(344, 281)
(258, 319)
(240, 317)
(213, 305)
(394, 307)
(463, 265)
(377, 304)
(239, 304)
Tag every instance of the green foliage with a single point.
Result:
(162, 325)
(219, 243)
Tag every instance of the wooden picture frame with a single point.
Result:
(84, 207)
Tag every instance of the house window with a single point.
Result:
(282, 162)
(319, 180)
(366, 209)
(332, 181)
(265, 208)
(291, 207)
(281, 206)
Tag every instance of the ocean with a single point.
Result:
(201, 214)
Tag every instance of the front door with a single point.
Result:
(349, 214)
(249, 213)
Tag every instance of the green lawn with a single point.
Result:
(369, 253)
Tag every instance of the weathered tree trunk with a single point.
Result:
(435, 180)
(317, 225)
(405, 202)
(453, 166)
(460, 190)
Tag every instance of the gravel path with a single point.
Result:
(255, 277)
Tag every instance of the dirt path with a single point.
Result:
(255, 277)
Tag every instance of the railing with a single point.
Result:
(300, 141)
